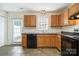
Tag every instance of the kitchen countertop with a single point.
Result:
(43, 33)
(70, 35)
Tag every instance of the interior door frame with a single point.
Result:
(13, 19)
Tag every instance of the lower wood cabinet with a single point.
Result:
(72, 22)
(24, 40)
(49, 41)
(44, 40)
(55, 41)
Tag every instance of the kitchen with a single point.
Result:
(43, 28)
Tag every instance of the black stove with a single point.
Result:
(70, 44)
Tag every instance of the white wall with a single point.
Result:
(68, 28)
(3, 30)
(71, 28)
(34, 30)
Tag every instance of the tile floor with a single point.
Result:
(19, 51)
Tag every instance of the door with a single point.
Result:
(17, 30)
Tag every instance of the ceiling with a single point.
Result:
(33, 7)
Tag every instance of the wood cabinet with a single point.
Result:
(64, 18)
(29, 20)
(73, 9)
(48, 41)
(61, 22)
(43, 41)
(24, 40)
(64, 21)
(56, 41)
(54, 20)
(72, 22)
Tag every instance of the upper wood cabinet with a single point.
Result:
(73, 9)
(54, 20)
(61, 21)
(64, 21)
(29, 20)
(64, 18)
(66, 14)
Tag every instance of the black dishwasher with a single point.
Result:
(31, 41)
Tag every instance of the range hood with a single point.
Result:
(74, 16)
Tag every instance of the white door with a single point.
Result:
(17, 30)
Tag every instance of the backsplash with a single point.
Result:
(70, 28)
(34, 30)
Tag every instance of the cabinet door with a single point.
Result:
(66, 17)
(61, 17)
(27, 20)
(33, 20)
(56, 41)
(54, 20)
(48, 40)
(52, 41)
(41, 41)
(24, 40)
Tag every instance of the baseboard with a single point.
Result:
(51, 47)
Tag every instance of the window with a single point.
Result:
(43, 23)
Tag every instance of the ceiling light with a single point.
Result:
(43, 12)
